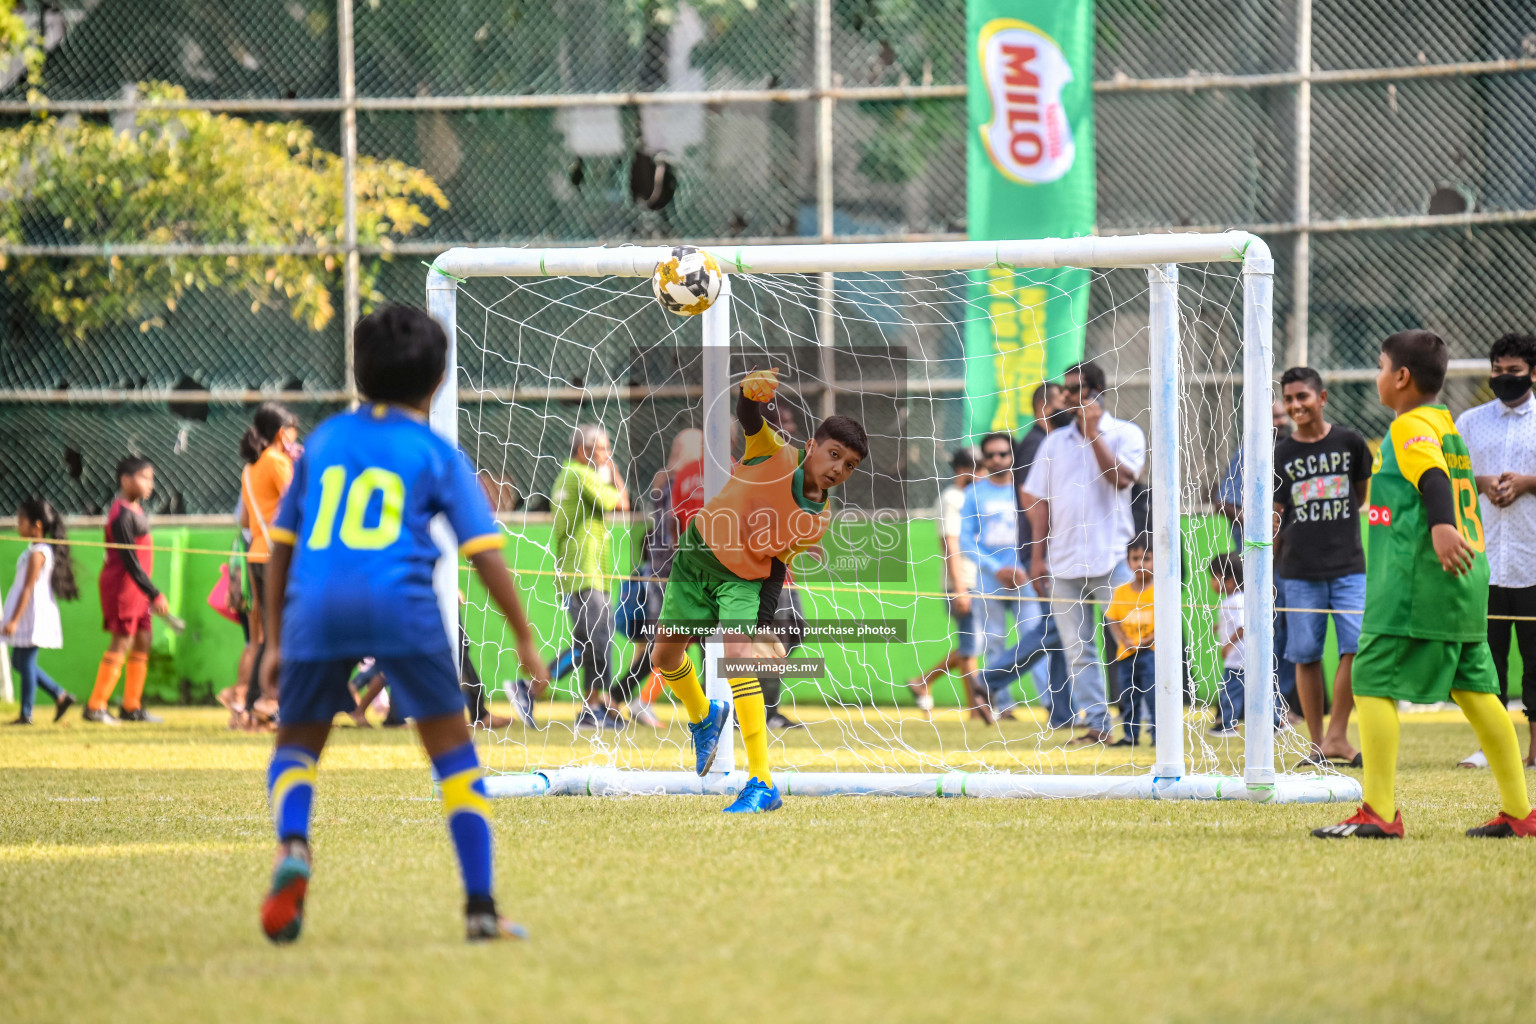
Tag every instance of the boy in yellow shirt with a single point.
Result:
(1129, 620)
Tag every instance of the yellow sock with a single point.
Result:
(1378, 749)
(684, 682)
(752, 713)
(106, 680)
(133, 680)
(1490, 721)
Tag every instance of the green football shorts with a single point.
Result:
(694, 600)
(1421, 671)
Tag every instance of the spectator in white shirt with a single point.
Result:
(1501, 437)
(1078, 499)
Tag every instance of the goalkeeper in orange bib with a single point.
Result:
(773, 507)
(1425, 634)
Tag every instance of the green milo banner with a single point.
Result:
(1029, 174)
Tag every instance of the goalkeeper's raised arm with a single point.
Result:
(757, 389)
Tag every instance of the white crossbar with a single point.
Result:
(641, 260)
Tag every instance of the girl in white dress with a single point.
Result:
(30, 621)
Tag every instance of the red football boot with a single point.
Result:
(1505, 826)
(1363, 824)
(282, 912)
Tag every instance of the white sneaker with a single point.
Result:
(641, 712)
(1476, 759)
(1219, 733)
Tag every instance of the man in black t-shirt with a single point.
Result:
(1322, 474)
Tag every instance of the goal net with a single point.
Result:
(550, 341)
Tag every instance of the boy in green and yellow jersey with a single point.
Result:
(1425, 634)
(772, 508)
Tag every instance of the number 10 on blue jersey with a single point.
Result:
(365, 485)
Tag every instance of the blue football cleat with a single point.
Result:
(706, 736)
(755, 798)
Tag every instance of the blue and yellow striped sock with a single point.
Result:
(291, 791)
(469, 818)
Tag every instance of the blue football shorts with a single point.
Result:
(420, 686)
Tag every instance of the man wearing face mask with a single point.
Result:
(1078, 499)
(1501, 438)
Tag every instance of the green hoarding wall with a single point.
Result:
(1029, 174)
(191, 667)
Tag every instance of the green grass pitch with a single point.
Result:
(132, 861)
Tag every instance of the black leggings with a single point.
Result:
(257, 572)
(1514, 601)
(632, 682)
(779, 611)
(470, 684)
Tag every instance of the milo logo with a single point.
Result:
(1029, 137)
(1379, 515)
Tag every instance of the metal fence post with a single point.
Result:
(348, 86)
(1301, 246)
(826, 108)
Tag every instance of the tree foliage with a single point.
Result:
(16, 40)
(188, 176)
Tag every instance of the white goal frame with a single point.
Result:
(1160, 255)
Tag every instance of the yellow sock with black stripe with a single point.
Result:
(684, 683)
(1490, 722)
(1378, 752)
(462, 783)
(752, 714)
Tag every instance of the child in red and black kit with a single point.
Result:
(128, 598)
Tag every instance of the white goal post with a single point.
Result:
(1160, 255)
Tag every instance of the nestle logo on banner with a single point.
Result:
(1029, 137)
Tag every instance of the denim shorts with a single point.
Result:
(1308, 631)
(968, 638)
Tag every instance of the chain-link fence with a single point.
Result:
(1379, 146)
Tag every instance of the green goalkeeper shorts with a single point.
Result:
(1421, 671)
(695, 601)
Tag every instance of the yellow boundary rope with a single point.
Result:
(827, 587)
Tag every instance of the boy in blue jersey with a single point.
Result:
(989, 537)
(351, 577)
